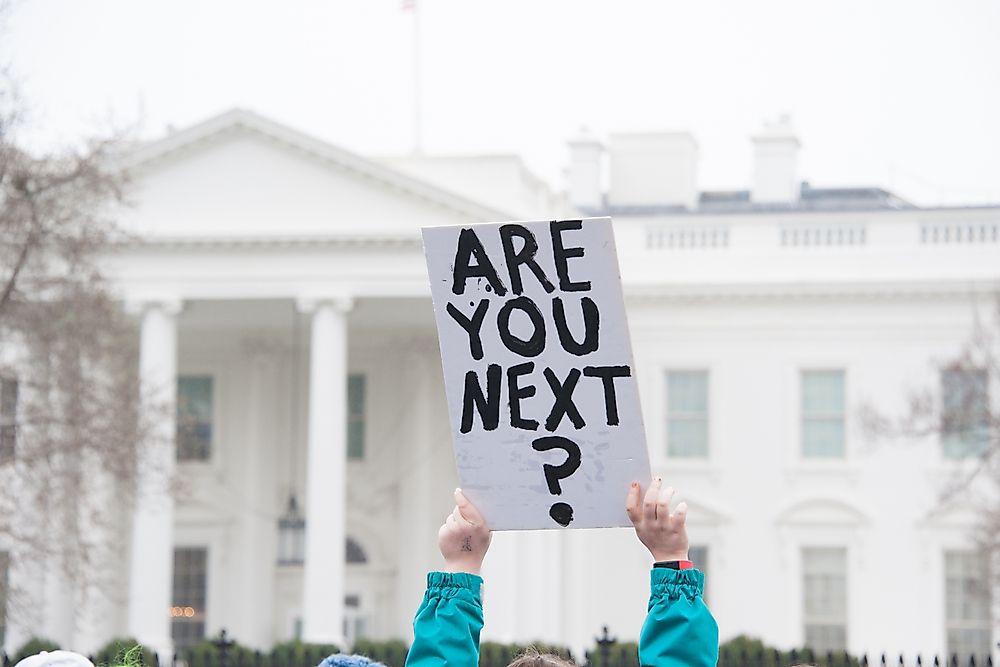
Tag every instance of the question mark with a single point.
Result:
(561, 513)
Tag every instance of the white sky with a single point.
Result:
(903, 94)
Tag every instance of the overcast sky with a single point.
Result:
(904, 94)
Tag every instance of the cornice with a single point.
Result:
(408, 241)
(637, 295)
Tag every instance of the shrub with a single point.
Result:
(742, 650)
(620, 654)
(390, 652)
(206, 654)
(33, 646)
(113, 652)
(297, 653)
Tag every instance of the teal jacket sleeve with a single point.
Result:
(679, 630)
(447, 625)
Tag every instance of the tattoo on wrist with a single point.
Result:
(467, 544)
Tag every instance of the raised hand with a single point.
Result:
(660, 531)
(464, 537)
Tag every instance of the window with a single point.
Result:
(823, 414)
(187, 615)
(355, 554)
(355, 619)
(194, 417)
(824, 589)
(698, 554)
(355, 416)
(8, 419)
(967, 605)
(4, 583)
(687, 414)
(964, 412)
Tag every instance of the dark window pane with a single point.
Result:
(687, 414)
(967, 604)
(356, 416)
(195, 399)
(8, 419)
(823, 427)
(824, 590)
(4, 582)
(355, 554)
(965, 406)
(190, 592)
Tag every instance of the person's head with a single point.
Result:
(532, 658)
(55, 659)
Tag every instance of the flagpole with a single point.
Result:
(417, 147)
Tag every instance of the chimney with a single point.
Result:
(585, 192)
(775, 160)
(654, 169)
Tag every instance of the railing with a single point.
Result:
(824, 235)
(679, 236)
(960, 232)
(695, 236)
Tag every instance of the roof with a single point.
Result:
(811, 199)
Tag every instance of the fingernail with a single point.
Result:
(458, 489)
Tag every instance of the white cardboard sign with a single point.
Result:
(538, 371)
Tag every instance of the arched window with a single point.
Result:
(355, 554)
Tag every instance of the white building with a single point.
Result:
(281, 281)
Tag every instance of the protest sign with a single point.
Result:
(538, 371)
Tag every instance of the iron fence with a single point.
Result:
(608, 652)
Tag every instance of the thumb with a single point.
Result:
(467, 509)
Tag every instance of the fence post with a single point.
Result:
(604, 643)
(223, 643)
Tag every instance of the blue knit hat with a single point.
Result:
(342, 660)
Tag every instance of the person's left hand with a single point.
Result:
(464, 538)
(663, 533)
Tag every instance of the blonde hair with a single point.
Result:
(532, 658)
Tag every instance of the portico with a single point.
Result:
(265, 293)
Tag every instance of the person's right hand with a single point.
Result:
(663, 533)
(464, 538)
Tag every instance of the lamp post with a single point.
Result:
(291, 534)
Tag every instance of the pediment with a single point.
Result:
(242, 175)
(701, 513)
(822, 511)
(953, 515)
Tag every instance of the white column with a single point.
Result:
(264, 436)
(152, 554)
(418, 496)
(323, 576)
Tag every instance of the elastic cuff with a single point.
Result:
(676, 583)
(470, 582)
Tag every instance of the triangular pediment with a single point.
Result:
(241, 174)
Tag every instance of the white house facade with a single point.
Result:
(282, 305)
